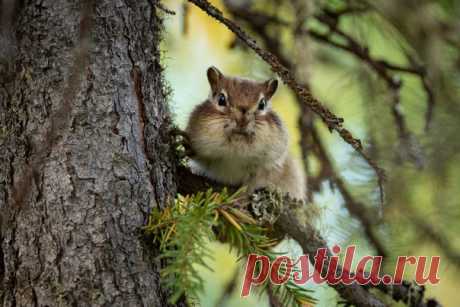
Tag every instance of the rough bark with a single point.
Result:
(74, 239)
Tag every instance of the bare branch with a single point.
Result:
(355, 208)
(381, 67)
(428, 90)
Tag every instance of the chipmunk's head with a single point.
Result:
(237, 119)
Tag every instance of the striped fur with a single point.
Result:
(239, 144)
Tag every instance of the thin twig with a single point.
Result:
(429, 93)
(381, 67)
(384, 70)
(355, 208)
(163, 8)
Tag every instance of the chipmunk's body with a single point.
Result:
(237, 139)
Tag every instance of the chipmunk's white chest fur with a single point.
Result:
(233, 170)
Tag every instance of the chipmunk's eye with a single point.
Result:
(221, 100)
(262, 104)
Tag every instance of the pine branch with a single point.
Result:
(288, 222)
(182, 230)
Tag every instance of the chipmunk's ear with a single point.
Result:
(214, 77)
(270, 87)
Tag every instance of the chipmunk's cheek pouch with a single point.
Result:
(229, 126)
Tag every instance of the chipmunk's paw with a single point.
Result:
(181, 142)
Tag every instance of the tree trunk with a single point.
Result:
(74, 239)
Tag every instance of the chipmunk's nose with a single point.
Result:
(243, 118)
(243, 122)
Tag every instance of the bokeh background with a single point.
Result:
(421, 214)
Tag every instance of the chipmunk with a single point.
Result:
(237, 138)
